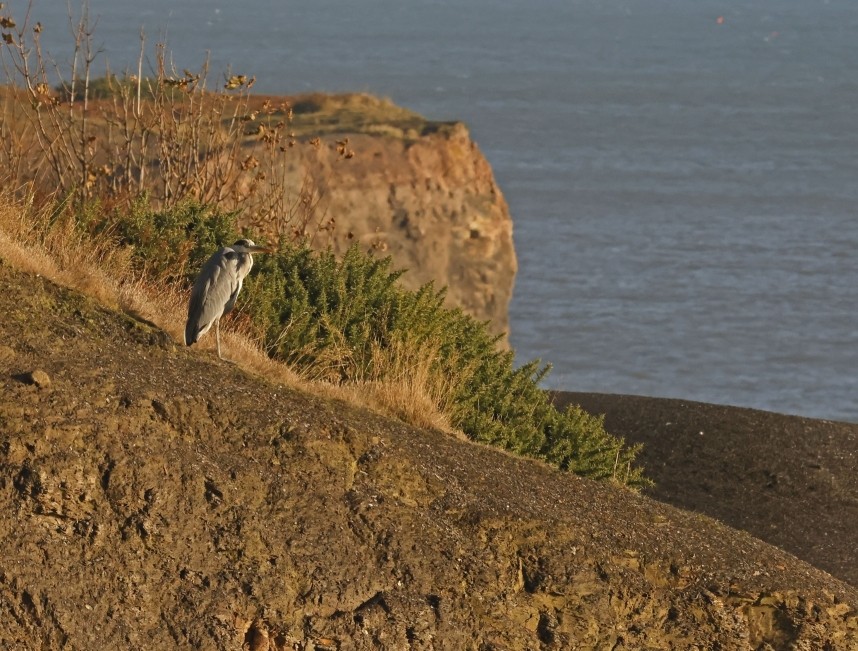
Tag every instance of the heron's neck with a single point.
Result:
(245, 262)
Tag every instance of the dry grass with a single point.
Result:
(60, 253)
(30, 240)
(402, 382)
(174, 135)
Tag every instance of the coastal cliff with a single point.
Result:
(419, 191)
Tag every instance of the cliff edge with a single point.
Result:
(419, 191)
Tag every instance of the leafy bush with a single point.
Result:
(329, 318)
(169, 245)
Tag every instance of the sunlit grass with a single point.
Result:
(37, 240)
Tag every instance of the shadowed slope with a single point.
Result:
(790, 481)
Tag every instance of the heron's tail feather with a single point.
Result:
(191, 336)
(195, 330)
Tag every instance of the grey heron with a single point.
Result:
(217, 287)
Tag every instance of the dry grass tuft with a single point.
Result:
(403, 383)
(34, 242)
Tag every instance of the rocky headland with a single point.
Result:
(400, 185)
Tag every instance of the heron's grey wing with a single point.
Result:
(212, 290)
(231, 302)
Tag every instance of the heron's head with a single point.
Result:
(247, 246)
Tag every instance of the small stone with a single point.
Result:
(39, 378)
(6, 355)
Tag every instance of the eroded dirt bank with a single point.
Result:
(154, 497)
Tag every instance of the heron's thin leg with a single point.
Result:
(217, 332)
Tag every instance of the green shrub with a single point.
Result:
(326, 316)
(169, 245)
(329, 317)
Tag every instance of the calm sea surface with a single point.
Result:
(684, 187)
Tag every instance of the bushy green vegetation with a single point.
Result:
(329, 317)
(169, 245)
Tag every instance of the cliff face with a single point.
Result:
(155, 497)
(433, 205)
(399, 185)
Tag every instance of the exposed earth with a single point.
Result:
(155, 497)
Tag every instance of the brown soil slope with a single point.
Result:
(154, 497)
(790, 481)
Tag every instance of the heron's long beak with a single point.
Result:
(260, 249)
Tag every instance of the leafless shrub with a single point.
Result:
(171, 134)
